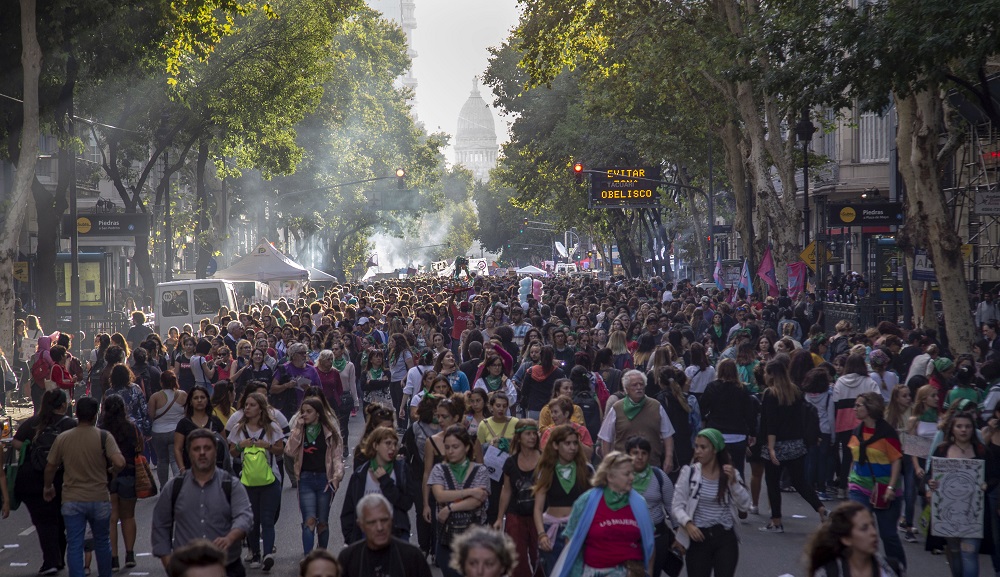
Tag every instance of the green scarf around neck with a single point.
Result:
(632, 408)
(459, 470)
(312, 432)
(566, 475)
(374, 466)
(929, 416)
(613, 500)
(493, 383)
(641, 479)
(375, 374)
(340, 363)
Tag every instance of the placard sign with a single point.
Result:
(625, 187)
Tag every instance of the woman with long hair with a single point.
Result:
(415, 439)
(385, 473)
(746, 363)
(315, 447)
(610, 531)
(848, 545)
(122, 487)
(494, 378)
(222, 401)
(819, 461)
(728, 406)
(447, 412)
(461, 491)
(255, 369)
(479, 402)
(46, 516)
(876, 461)
(538, 382)
(563, 475)
(166, 409)
(376, 415)
(427, 380)
(619, 347)
(336, 393)
(643, 356)
(123, 385)
(400, 361)
(182, 362)
(855, 381)
(257, 430)
(700, 373)
(708, 498)
(515, 514)
(781, 424)
(198, 414)
(897, 414)
(446, 366)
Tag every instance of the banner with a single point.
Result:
(745, 282)
(717, 275)
(796, 278)
(766, 273)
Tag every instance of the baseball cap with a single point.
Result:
(363, 321)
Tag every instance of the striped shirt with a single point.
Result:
(710, 511)
(879, 458)
(659, 497)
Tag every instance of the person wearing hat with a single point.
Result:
(883, 376)
(708, 497)
(942, 378)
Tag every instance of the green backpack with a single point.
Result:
(257, 470)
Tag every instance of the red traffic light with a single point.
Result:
(578, 168)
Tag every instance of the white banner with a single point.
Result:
(988, 202)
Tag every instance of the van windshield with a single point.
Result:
(175, 303)
(207, 301)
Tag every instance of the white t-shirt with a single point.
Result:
(699, 378)
(273, 435)
(413, 378)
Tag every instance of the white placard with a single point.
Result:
(957, 505)
(494, 460)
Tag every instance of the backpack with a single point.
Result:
(839, 346)
(42, 444)
(810, 424)
(591, 410)
(256, 471)
(41, 370)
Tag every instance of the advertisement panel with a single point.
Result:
(625, 187)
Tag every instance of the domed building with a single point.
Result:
(476, 137)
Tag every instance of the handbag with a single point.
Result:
(50, 385)
(789, 450)
(11, 465)
(878, 498)
(144, 485)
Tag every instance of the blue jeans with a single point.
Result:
(886, 519)
(964, 560)
(314, 503)
(818, 463)
(909, 490)
(77, 514)
(549, 558)
(264, 501)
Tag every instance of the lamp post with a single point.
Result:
(804, 130)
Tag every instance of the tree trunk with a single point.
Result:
(920, 126)
(48, 217)
(17, 204)
(201, 227)
(729, 134)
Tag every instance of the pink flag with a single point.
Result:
(796, 278)
(766, 272)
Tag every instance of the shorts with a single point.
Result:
(124, 487)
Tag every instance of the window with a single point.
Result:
(206, 301)
(873, 138)
(175, 304)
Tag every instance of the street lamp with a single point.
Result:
(804, 130)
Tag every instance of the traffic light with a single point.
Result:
(578, 172)
(524, 225)
(401, 179)
(590, 254)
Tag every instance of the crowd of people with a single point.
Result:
(598, 428)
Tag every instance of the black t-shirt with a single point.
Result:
(314, 455)
(186, 425)
(30, 482)
(400, 559)
(522, 501)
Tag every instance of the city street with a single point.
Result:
(761, 554)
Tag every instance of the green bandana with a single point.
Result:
(567, 476)
(340, 363)
(929, 416)
(458, 471)
(641, 480)
(632, 408)
(373, 465)
(493, 383)
(312, 432)
(613, 500)
(375, 374)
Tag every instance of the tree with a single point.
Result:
(15, 207)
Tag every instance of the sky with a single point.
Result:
(451, 40)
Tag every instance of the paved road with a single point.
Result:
(761, 555)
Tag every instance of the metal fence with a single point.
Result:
(862, 313)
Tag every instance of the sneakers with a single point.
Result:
(772, 528)
(822, 496)
(268, 562)
(129, 559)
(48, 571)
(910, 537)
(114, 565)
(754, 510)
(255, 562)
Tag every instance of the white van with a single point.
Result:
(189, 301)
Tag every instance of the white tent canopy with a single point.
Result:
(264, 264)
(530, 270)
(316, 275)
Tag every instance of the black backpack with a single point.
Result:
(591, 409)
(42, 444)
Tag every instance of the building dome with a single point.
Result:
(476, 137)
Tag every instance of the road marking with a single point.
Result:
(11, 546)
(18, 564)
(138, 574)
(143, 554)
(27, 531)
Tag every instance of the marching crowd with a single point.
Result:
(584, 427)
